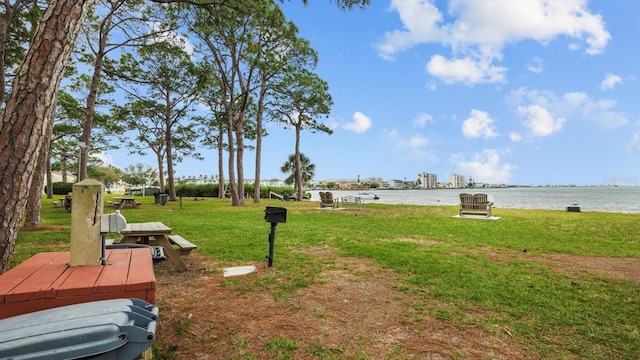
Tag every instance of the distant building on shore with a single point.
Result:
(457, 181)
(427, 181)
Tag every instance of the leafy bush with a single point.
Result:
(62, 188)
(211, 190)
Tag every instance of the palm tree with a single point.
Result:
(307, 171)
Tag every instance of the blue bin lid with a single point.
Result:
(107, 329)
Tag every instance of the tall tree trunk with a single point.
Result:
(5, 25)
(85, 138)
(232, 160)
(261, 97)
(170, 178)
(161, 172)
(30, 110)
(221, 189)
(49, 175)
(298, 171)
(239, 160)
(34, 202)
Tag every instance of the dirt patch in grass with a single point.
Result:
(576, 266)
(351, 312)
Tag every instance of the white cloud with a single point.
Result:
(466, 70)
(610, 81)
(571, 105)
(515, 136)
(106, 159)
(476, 38)
(332, 123)
(540, 121)
(484, 167)
(417, 142)
(478, 124)
(411, 148)
(420, 19)
(360, 123)
(421, 120)
(536, 65)
(634, 145)
(173, 38)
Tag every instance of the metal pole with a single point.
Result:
(272, 240)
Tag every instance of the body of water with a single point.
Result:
(609, 199)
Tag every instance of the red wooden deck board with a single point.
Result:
(36, 286)
(114, 276)
(13, 277)
(78, 281)
(46, 281)
(140, 267)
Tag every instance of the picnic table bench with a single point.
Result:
(124, 202)
(155, 234)
(184, 245)
(476, 204)
(352, 200)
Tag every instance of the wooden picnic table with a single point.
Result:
(125, 202)
(46, 280)
(153, 233)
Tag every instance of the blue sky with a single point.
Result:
(517, 92)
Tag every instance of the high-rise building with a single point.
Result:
(457, 181)
(428, 181)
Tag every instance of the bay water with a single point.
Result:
(625, 199)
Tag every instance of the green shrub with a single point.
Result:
(211, 190)
(62, 188)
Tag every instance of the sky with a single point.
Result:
(524, 92)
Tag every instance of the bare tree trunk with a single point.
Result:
(30, 110)
(49, 175)
(221, 189)
(239, 161)
(169, 149)
(161, 173)
(85, 138)
(256, 183)
(34, 203)
(298, 171)
(232, 161)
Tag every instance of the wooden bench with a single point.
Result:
(326, 200)
(352, 200)
(184, 245)
(476, 204)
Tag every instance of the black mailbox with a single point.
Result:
(275, 214)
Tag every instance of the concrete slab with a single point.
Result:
(477, 217)
(238, 270)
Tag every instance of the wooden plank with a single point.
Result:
(171, 253)
(13, 277)
(36, 286)
(182, 243)
(113, 278)
(78, 281)
(141, 275)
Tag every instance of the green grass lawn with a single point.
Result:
(449, 263)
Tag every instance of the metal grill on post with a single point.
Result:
(274, 215)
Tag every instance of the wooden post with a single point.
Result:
(86, 213)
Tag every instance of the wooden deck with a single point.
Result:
(46, 280)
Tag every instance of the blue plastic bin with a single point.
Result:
(107, 329)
